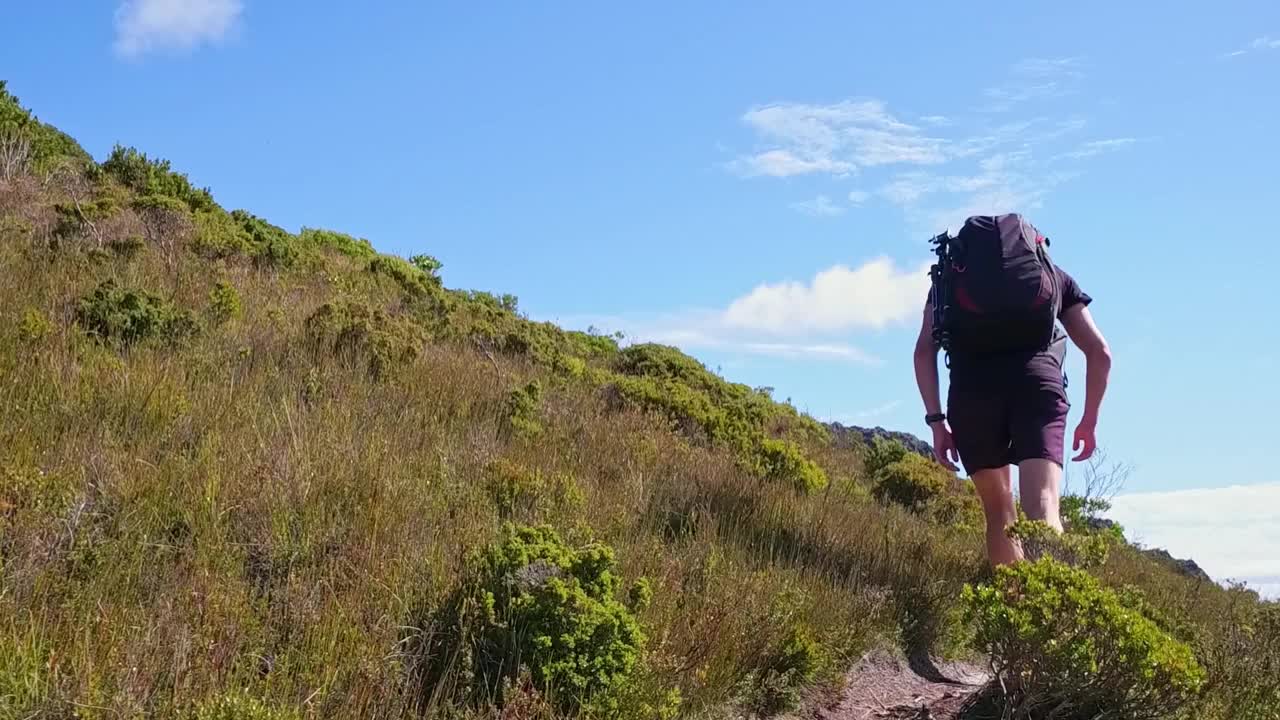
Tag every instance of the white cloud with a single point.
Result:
(1049, 67)
(1034, 79)
(834, 139)
(874, 295)
(144, 25)
(1098, 147)
(1232, 532)
(875, 412)
(857, 197)
(790, 319)
(781, 163)
(820, 206)
(1258, 44)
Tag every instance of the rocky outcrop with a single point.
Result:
(845, 435)
(1186, 567)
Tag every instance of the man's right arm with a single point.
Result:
(1086, 336)
(926, 364)
(925, 359)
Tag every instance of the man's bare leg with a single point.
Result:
(1039, 484)
(995, 488)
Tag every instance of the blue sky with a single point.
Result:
(757, 182)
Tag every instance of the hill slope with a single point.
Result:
(255, 473)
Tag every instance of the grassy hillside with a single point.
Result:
(247, 472)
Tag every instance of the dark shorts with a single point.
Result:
(1003, 424)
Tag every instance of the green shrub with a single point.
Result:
(340, 242)
(1058, 639)
(219, 235)
(239, 705)
(128, 246)
(34, 326)
(520, 410)
(788, 670)
(783, 462)
(409, 277)
(146, 176)
(912, 482)
(882, 453)
(530, 600)
(74, 219)
(49, 146)
(521, 493)
(1242, 659)
(1084, 515)
(959, 508)
(124, 317)
(224, 302)
(352, 330)
(428, 265)
(1038, 539)
(270, 246)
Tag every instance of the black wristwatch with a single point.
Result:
(931, 419)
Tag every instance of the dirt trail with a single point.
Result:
(887, 687)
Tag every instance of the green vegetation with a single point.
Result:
(124, 317)
(1062, 645)
(531, 601)
(248, 473)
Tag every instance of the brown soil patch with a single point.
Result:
(886, 687)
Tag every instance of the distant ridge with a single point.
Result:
(845, 434)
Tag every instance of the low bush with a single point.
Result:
(269, 245)
(409, 277)
(531, 601)
(219, 235)
(147, 176)
(523, 494)
(784, 462)
(520, 411)
(224, 302)
(912, 482)
(1063, 646)
(124, 317)
(239, 705)
(339, 242)
(1038, 539)
(788, 670)
(355, 331)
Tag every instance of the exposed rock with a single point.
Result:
(844, 434)
(1186, 567)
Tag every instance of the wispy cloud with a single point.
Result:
(1232, 532)
(880, 411)
(834, 139)
(1098, 147)
(820, 206)
(1034, 79)
(146, 25)
(1259, 44)
(937, 168)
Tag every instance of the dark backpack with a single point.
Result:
(995, 289)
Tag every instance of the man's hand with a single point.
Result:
(1084, 438)
(944, 447)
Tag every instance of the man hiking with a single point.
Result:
(995, 300)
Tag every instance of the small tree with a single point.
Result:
(168, 226)
(15, 154)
